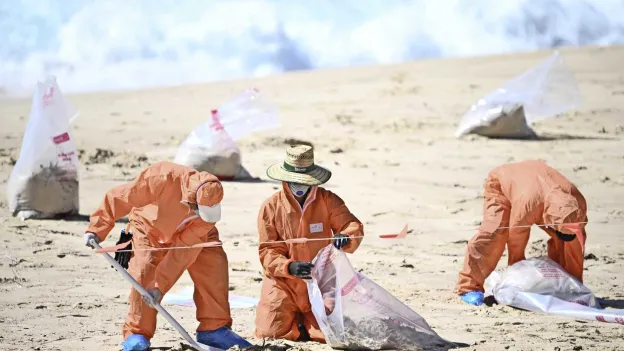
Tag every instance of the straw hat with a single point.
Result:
(298, 167)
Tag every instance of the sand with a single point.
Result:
(387, 135)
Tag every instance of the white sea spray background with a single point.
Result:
(119, 44)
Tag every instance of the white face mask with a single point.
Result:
(210, 214)
(298, 189)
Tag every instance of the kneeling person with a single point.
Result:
(301, 209)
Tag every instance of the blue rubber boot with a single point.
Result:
(222, 338)
(136, 342)
(473, 297)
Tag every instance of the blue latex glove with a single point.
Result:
(222, 338)
(473, 297)
(136, 342)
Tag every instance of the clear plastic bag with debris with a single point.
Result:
(541, 285)
(211, 146)
(44, 180)
(542, 92)
(354, 313)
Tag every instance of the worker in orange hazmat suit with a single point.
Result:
(171, 205)
(518, 195)
(301, 209)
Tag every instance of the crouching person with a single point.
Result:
(516, 196)
(171, 205)
(301, 209)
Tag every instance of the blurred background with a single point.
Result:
(121, 44)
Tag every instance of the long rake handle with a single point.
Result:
(157, 305)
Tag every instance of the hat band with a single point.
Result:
(299, 169)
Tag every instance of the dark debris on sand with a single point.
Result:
(386, 334)
(275, 345)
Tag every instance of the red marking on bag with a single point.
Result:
(550, 272)
(351, 285)
(216, 123)
(47, 97)
(59, 139)
(600, 318)
(66, 156)
(365, 298)
(619, 320)
(325, 259)
(321, 263)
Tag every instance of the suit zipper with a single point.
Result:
(305, 205)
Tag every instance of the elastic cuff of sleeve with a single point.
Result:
(161, 285)
(285, 271)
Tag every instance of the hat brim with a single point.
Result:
(319, 175)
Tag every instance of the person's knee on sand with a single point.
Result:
(301, 209)
(276, 315)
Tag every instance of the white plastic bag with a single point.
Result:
(541, 285)
(184, 297)
(543, 91)
(211, 146)
(355, 313)
(44, 181)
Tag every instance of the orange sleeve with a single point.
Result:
(273, 257)
(120, 200)
(344, 222)
(176, 262)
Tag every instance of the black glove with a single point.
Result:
(341, 240)
(565, 237)
(300, 269)
(123, 258)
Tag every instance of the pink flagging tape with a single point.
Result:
(114, 248)
(120, 247)
(401, 235)
(301, 240)
(569, 225)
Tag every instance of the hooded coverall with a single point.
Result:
(284, 302)
(523, 194)
(158, 219)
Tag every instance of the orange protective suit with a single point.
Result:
(284, 299)
(523, 194)
(159, 218)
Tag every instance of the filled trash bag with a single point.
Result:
(354, 313)
(505, 121)
(541, 92)
(211, 146)
(541, 285)
(44, 181)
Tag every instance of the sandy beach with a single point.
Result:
(387, 134)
